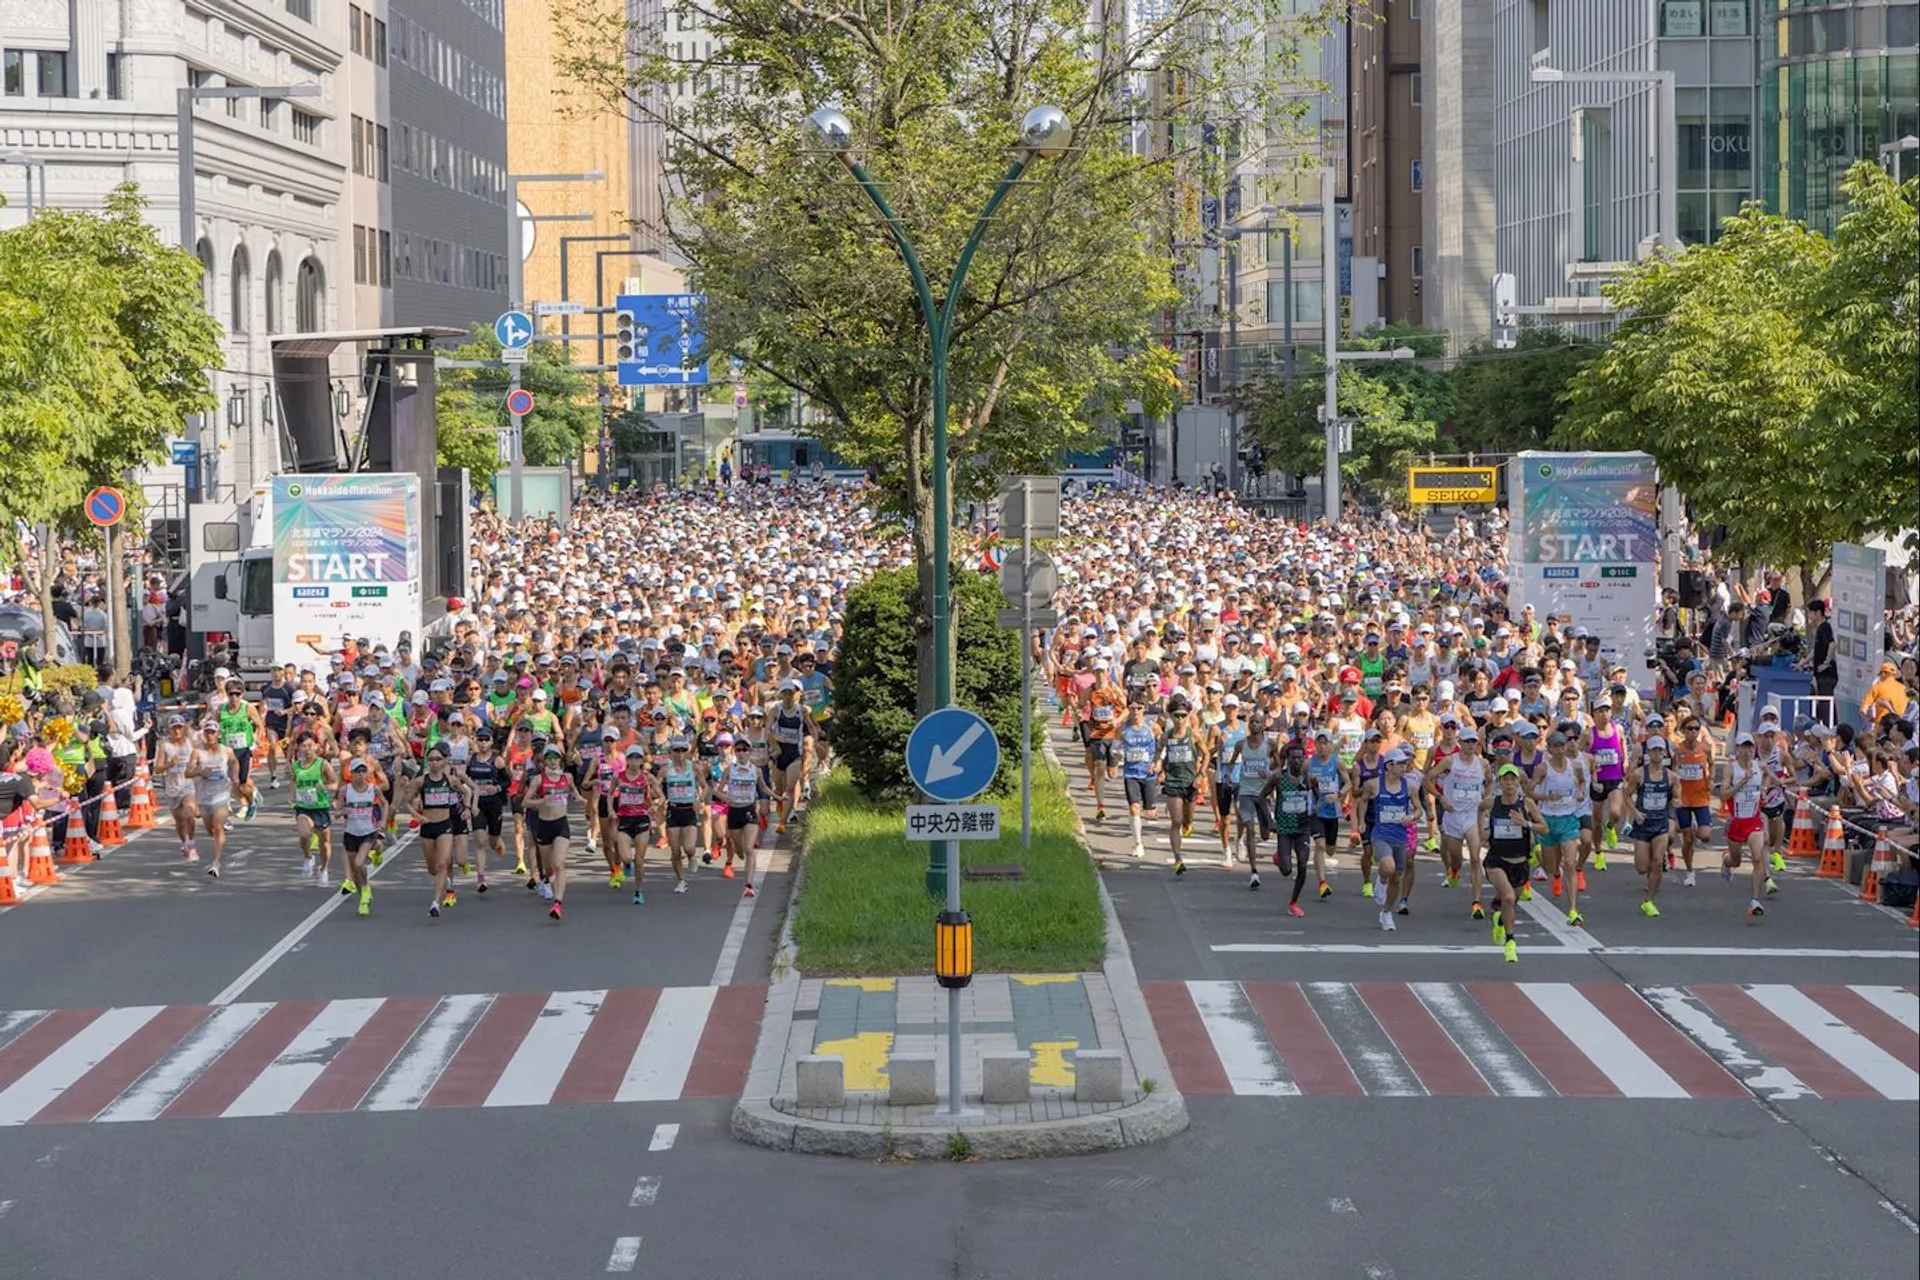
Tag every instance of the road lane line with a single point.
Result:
(664, 1136)
(1634, 1073)
(645, 1192)
(294, 1069)
(729, 961)
(544, 1054)
(1890, 1077)
(1250, 1060)
(72, 1060)
(238, 987)
(156, 1090)
(660, 1065)
(625, 1255)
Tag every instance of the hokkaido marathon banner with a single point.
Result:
(1585, 532)
(346, 562)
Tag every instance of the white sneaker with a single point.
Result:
(1386, 921)
(326, 881)
(1380, 893)
(1689, 881)
(306, 868)
(1139, 850)
(1253, 881)
(679, 886)
(593, 847)
(546, 891)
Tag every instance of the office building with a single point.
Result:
(1459, 205)
(1385, 93)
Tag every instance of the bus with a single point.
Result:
(790, 453)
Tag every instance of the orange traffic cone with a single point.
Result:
(1801, 841)
(1882, 864)
(78, 849)
(40, 858)
(1833, 850)
(110, 834)
(9, 895)
(140, 815)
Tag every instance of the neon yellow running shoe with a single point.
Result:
(366, 899)
(1599, 860)
(1526, 893)
(1452, 879)
(1513, 952)
(1575, 919)
(617, 879)
(1779, 861)
(1499, 931)
(1648, 910)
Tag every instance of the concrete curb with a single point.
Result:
(1157, 1116)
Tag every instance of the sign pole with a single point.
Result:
(116, 643)
(1026, 664)
(516, 476)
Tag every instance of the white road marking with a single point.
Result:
(534, 1071)
(151, 1094)
(15, 1024)
(411, 1077)
(1364, 1041)
(663, 1137)
(1762, 953)
(1250, 1062)
(1386, 948)
(23, 1099)
(1874, 1065)
(238, 987)
(1340, 1204)
(1898, 1003)
(1544, 913)
(645, 1192)
(1763, 1079)
(1605, 1045)
(660, 1064)
(274, 1091)
(1489, 1052)
(737, 930)
(625, 1255)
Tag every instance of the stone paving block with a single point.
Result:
(911, 1080)
(1004, 1077)
(820, 1081)
(1098, 1075)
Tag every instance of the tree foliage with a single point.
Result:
(105, 345)
(1506, 401)
(470, 407)
(1772, 375)
(875, 687)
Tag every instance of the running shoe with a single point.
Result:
(1386, 922)
(546, 891)
(1478, 912)
(1513, 951)
(1368, 891)
(747, 892)
(1575, 919)
(1648, 910)
(1770, 886)
(1253, 881)
(1499, 931)
(1613, 836)
(1186, 832)
(326, 882)
(1526, 893)
(366, 901)
(1179, 867)
(1669, 861)
(615, 880)
(1778, 862)
(679, 886)
(1754, 908)
(466, 868)
(346, 887)
(214, 871)
(1557, 887)
(433, 909)
(1100, 813)
(448, 898)
(1599, 860)
(520, 868)
(1451, 879)
(639, 898)
(306, 868)
(1689, 882)
(553, 912)
(726, 872)
(1433, 844)
(376, 857)
(1139, 850)
(481, 887)
(1294, 909)
(1326, 890)
(707, 857)
(780, 828)
(1403, 909)
(1726, 868)
(1580, 880)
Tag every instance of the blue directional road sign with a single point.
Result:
(669, 339)
(513, 328)
(952, 755)
(186, 453)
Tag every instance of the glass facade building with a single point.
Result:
(1837, 81)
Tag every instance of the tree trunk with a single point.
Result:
(919, 507)
(49, 563)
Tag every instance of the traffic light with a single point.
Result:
(627, 333)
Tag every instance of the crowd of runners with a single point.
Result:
(1302, 694)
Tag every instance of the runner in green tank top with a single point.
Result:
(313, 783)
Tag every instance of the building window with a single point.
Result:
(353, 30)
(1595, 133)
(310, 295)
(301, 9)
(272, 308)
(1728, 17)
(384, 260)
(1903, 25)
(379, 43)
(359, 255)
(355, 127)
(1537, 24)
(380, 152)
(16, 80)
(1418, 260)
(116, 76)
(1419, 179)
(306, 127)
(204, 252)
(1682, 18)
(240, 293)
(1416, 87)
(54, 81)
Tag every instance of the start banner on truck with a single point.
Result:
(1585, 534)
(346, 562)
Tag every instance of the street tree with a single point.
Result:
(1506, 401)
(1771, 375)
(1052, 332)
(105, 344)
(470, 408)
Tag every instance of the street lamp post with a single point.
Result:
(32, 164)
(1044, 132)
(516, 286)
(1666, 125)
(1888, 151)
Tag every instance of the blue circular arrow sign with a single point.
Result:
(952, 755)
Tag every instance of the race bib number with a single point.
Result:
(239, 741)
(1103, 713)
(1294, 802)
(680, 792)
(1179, 753)
(1506, 829)
(1606, 756)
(307, 797)
(1137, 755)
(1692, 772)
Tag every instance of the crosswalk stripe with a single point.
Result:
(1183, 1035)
(79, 1055)
(407, 1082)
(1244, 1050)
(1492, 1054)
(600, 1063)
(1571, 1073)
(665, 1054)
(542, 1058)
(1868, 1019)
(1368, 1049)
(475, 1068)
(1430, 1052)
(1898, 1003)
(1605, 1045)
(1738, 1056)
(14, 1024)
(358, 1065)
(1773, 1038)
(281, 1082)
(28, 1049)
(154, 1092)
(1312, 1059)
(1872, 1064)
(1679, 1057)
